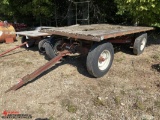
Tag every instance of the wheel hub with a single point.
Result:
(104, 60)
(143, 43)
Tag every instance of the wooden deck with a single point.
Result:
(95, 32)
(35, 33)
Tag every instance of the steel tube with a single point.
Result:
(13, 49)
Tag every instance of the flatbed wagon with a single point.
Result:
(95, 41)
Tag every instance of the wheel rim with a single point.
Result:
(104, 60)
(143, 43)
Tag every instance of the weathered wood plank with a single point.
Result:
(95, 32)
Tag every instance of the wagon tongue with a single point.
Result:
(16, 86)
(25, 43)
(36, 73)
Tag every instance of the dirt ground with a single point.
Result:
(129, 91)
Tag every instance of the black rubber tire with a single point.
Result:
(140, 43)
(31, 43)
(93, 57)
(51, 48)
(41, 46)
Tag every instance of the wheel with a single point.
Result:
(140, 44)
(41, 46)
(99, 59)
(52, 49)
(31, 43)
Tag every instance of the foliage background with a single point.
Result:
(62, 12)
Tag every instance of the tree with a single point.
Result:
(144, 12)
(4, 10)
(31, 10)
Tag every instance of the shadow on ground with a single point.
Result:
(156, 67)
(154, 38)
(123, 48)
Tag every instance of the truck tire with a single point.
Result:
(99, 59)
(41, 46)
(51, 48)
(31, 43)
(140, 44)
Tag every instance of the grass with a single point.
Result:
(73, 118)
(70, 107)
(157, 104)
(89, 116)
(117, 100)
(139, 105)
(98, 102)
(41, 110)
(123, 92)
(52, 118)
(120, 59)
(156, 56)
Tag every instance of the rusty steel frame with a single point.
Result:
(123, 39)
(37, 72)
(129, 32)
